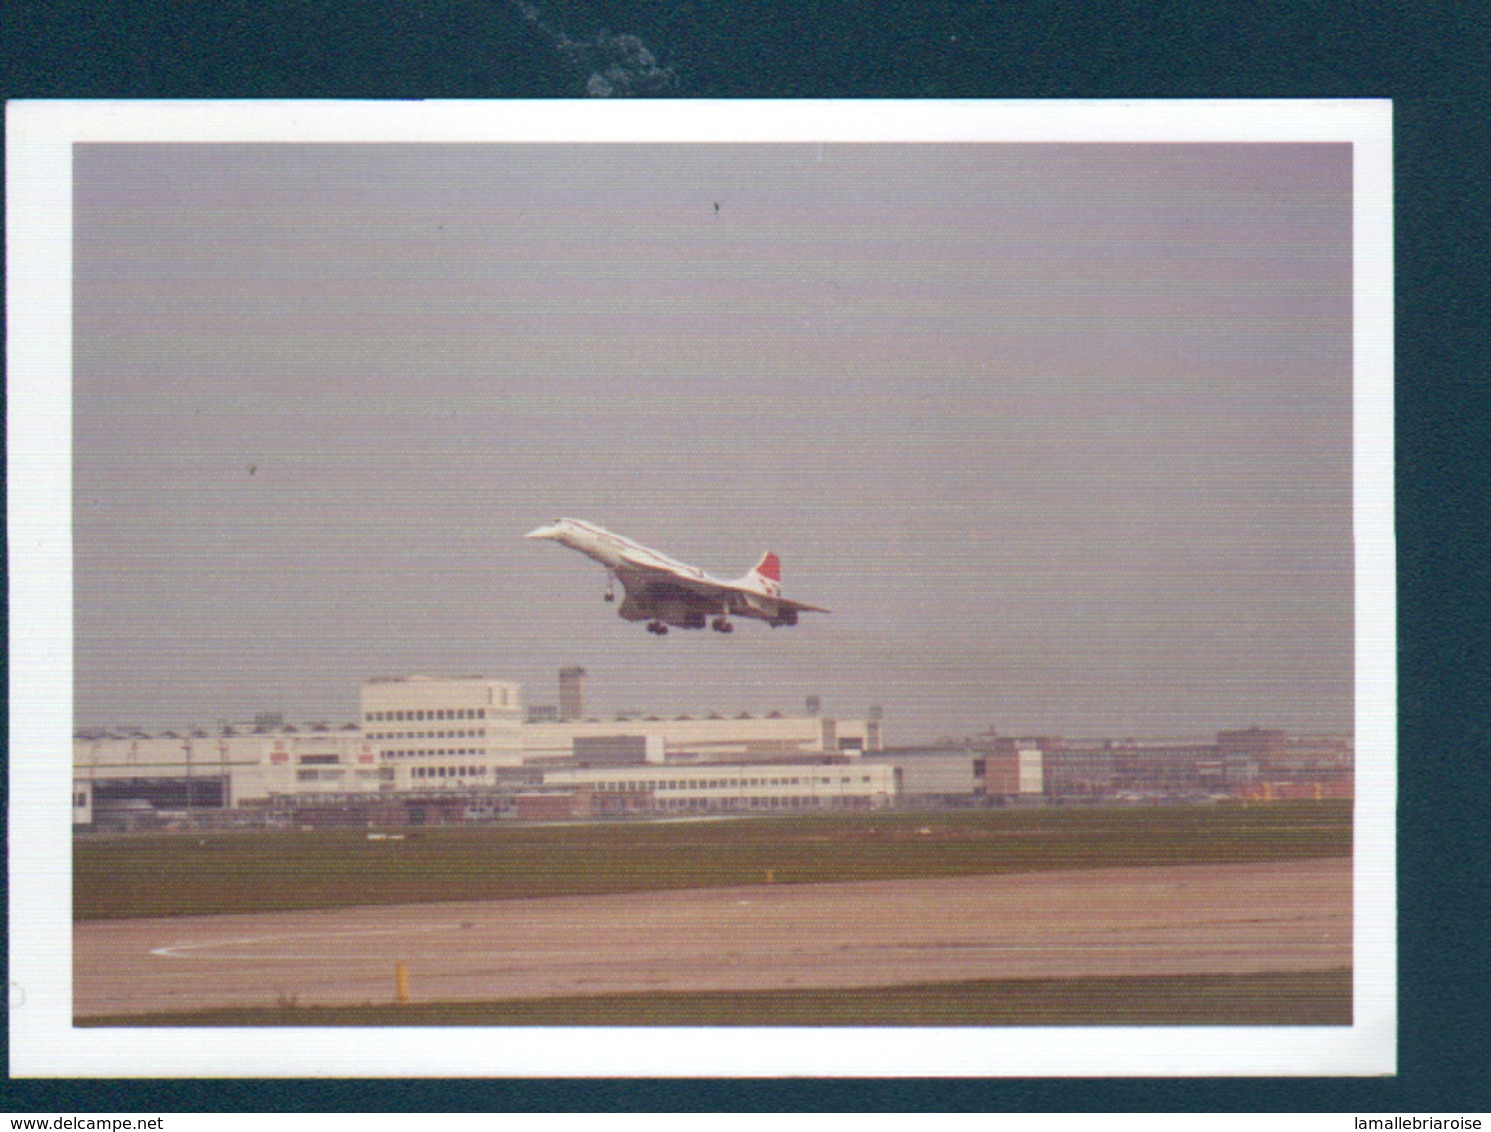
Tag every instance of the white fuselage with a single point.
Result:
(614, 551)
(664, 591)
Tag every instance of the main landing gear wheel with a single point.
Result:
(720, 625)
(657, 627)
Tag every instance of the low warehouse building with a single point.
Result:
(731, 788)
(713, 739)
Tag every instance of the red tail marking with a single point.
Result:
(770, 566)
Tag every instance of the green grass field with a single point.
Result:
(1310, 998)
(200, 873)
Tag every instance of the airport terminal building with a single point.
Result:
(422, 737)
(466, 748)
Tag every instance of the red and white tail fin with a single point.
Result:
(769, 567)
(766, 576)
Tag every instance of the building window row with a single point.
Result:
(724, 783)
(775, 802)
(426, 714)
(319, 775)
(479, 733)
(447, 752)
(448, 772)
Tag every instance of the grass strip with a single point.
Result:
(179, 874)
(1284, 998)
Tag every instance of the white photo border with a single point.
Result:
(43, 1040)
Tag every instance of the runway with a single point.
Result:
(1273, 916)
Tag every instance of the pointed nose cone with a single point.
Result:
(543, 532)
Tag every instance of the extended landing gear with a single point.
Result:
(720, 625)
(657, 627)
(610, 587)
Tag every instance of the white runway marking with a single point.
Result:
(193, 950)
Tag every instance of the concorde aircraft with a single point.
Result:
(664, 592)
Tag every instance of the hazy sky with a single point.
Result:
(1062, 433)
